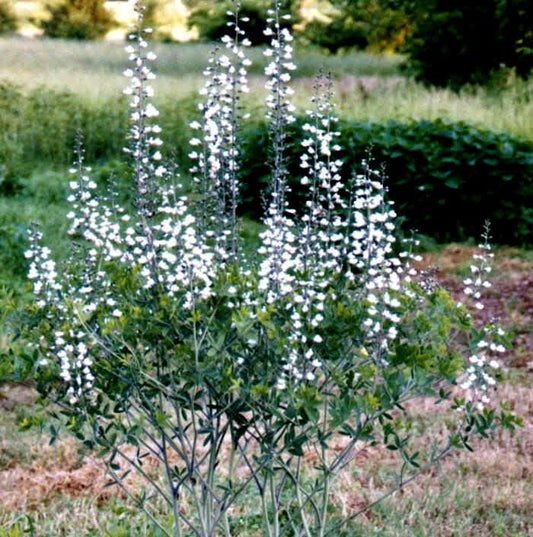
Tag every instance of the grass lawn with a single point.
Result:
(93, 69)
(368, 87)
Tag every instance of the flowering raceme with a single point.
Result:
(159, 332)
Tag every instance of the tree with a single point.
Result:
(457, 42)
(516, 34)
(8, 21)
(78, 19)
(376, 24)
(211, 19)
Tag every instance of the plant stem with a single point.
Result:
(324, 456)
(274, 502)
(301, 506)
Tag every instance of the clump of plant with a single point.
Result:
(168, 347)
(77, 19)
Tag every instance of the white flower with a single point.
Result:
(281, 384)
(151, 110)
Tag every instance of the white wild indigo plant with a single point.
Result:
(218, 376)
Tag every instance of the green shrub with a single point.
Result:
(336, 35)
(446, 178)
(8, 21)
(78, 19)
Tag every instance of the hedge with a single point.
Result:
(445, 178)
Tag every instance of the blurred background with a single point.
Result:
(465, 41)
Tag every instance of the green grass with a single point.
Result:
(509, 109)
(93, 69)
(369, 87)
(452, 512)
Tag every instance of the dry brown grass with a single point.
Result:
(499, 472)
(500, 467)
(32, 488)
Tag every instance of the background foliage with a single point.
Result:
(444, 177)
(460, 174)
(8, 21)
(210, 18)
(447, 41)
(456, 42)
(78, 19)
(379, 25)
